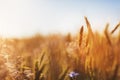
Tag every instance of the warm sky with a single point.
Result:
(26, 17)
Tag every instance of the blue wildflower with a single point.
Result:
(73, 74)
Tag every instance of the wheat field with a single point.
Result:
(84, 56)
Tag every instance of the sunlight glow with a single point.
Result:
(27, 17)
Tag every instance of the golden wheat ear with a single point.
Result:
(116, 27)
(81, 35)
(106, 28)
(106, 34)
(89, 27)
(40, 66)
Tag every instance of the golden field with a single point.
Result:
(85, 56)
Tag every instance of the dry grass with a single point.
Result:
(91, 55)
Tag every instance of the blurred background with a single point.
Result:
(20, 18)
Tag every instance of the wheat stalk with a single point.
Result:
(63, 74)
(116, 27)
(107, 35)
(81, 36)
(89, 27)
(39, 67)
